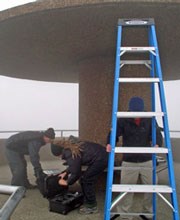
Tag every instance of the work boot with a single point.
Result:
(114, 216)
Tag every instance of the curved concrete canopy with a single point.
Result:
(48, 40)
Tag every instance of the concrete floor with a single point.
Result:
(35, 207)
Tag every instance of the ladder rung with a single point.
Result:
(135, 62)
(136, 22)
(138, 188)
(136, 50)
(147, 63)
(147, 150)
(132, 168)
(139, 114)
(139, 80)
(130, 213)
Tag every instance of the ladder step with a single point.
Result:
(137, 50)
(147, 63)
(138, 188)
(135, 62)
(138, 80)
(117, 214)
(147, 150)
(139, 114)
(136, 22)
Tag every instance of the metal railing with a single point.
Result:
(174, 131)
(16, 194)
(59, 132)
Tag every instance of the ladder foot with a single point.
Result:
(144, 217)
(114, 216)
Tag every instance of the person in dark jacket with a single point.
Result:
(77, 153)
(26, 143)
(136, 132)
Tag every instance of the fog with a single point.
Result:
(34, 105)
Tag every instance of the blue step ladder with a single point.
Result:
(155, 77)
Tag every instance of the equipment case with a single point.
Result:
(60, 199)
(65, 203)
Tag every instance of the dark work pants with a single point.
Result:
(18, 167)
(88, 181)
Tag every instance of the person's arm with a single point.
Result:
(119, 132)
(33, 148)
(74, 168)
(159, 138)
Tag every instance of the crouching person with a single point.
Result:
(77, 153)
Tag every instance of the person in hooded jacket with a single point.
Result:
(26, 143)
(77, 153)
(136, 132)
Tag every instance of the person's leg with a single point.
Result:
(128, 176)
(88, 181)
(17, 167)
(27, 184)
(146, 178)
(88, 189)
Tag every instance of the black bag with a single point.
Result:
(49, 186)
(65, 203)
(52, 187)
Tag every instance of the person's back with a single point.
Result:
(19, 142)
(92, 152)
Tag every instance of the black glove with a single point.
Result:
(40, 181)
(41, 175)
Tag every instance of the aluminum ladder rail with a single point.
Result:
(155, 77)
(16, 194)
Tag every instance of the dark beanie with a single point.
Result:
(136, 104)
(56, 150)
(73, 140)
(50, 133)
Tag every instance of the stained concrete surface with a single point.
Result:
(35, 207)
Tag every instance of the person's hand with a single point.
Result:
(40, 175)
(62, 182)
(62, 175)
(156, 145)
(108, 148)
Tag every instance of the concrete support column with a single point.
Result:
(96, 81)
(95, 99)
